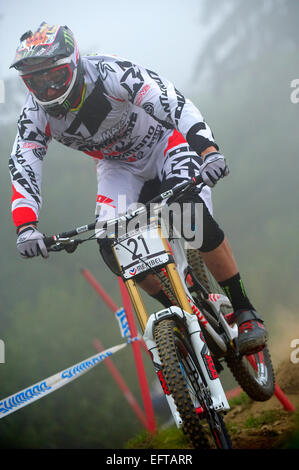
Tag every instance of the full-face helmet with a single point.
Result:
(50, 66)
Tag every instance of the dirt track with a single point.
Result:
(266, 425)
(251, 425)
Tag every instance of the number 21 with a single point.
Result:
(135, 243)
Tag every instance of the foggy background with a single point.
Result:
(161, 35)
(236, 61)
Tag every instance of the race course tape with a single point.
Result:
(41, 389)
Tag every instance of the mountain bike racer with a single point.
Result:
(139, 129)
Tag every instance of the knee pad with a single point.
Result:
(213, 235)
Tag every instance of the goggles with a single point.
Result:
(50, 84)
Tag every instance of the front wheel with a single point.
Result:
(204, 427)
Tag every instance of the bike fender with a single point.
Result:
(161, 315)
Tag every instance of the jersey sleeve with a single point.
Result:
(159, 98)
(25, 163)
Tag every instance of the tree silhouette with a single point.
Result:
(239, 32)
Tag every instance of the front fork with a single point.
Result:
(138, 302)
(143, 319)
(211, 379)
(209, 374)
(153, 349)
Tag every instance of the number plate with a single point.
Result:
(140, 251)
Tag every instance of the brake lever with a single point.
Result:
(72, 246)
(69, 247)
(188, 190)
(197, 190)
(56, 248)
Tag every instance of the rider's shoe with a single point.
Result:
(252, 333)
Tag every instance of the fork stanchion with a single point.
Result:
(147, 402)
(122, 385)
(150, 419)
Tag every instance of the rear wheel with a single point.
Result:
(204, 276)
(204, 427)
(254, 373)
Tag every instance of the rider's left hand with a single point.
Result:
(213, 168)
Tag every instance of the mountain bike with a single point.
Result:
(188, 340)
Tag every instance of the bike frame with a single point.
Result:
(193, 319)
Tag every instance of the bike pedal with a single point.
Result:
(234, 345)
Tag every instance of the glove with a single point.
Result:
(213, 168)
(30, 242)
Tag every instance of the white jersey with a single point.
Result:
(124, 114)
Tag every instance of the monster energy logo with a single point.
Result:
(228, 293)
(226, 290)
(68, 39)
(242, 288)
(66, 104)
(28, 53)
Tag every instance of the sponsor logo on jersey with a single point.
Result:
(142, 94)
(105, 200)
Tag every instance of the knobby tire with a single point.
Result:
(173, 344)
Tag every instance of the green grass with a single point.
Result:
(292, 441)
(171, 438)
(232, 428)
(266, 417)
(242, 399)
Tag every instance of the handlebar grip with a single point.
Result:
(198, 179)
(49, 241)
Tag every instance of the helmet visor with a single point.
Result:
(50, 84)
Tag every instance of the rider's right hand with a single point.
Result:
(30, 242)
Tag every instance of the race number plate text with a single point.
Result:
(140, 250)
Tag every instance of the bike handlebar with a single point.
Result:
(64, 237)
